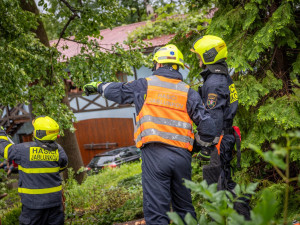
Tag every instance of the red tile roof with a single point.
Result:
(110, 38)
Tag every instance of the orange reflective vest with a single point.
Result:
(163, 117)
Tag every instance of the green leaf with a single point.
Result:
(263, 213)
(190, 220)
(175, 217)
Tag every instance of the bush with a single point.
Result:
(12, 217)
(114, 195)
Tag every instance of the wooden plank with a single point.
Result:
(96, 146)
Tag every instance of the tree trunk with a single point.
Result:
(70, 145)
(69, 140)
(29, 5)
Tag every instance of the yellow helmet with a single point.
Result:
(210, 48)
(169, 54)
(45, 128)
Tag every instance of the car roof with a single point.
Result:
(114, 151)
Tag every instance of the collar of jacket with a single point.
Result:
(49, 145)
(217, 68)
(173, 74)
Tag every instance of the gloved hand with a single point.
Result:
(205, 153)
(91, 88)
(204, 148)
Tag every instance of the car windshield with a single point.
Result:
(104, 160)
(116, 155)
(100, 160)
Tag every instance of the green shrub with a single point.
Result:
(12, 217)
(114, 195)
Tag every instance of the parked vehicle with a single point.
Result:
(114, 158)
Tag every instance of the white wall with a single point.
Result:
(113, 113)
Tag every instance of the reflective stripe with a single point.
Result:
(62, 168)
(159, 139)
(105, 86)
(165, 135)
(166, 57)
(4, 138)
(164, 121)
(162, 49)
(39, 170)
(204, 143)
(180, 86)
(6, 151)
(39, 191)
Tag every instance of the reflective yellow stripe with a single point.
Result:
(39, 191)
(64, 167)
(6, 151)
(39, 170)
(4, 137)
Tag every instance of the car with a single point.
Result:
(113, 158)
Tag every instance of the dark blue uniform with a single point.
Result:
(39, 181)
(164, 166)
(220, 98)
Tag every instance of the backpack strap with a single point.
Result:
(237, 135)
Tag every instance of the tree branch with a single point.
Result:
(79, 42)
(70, 7)
(65, 28)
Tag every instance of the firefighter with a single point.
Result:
(166, 109)
(40, 163)
(220, 98)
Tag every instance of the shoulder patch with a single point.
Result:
(233, 93)
(211, 100)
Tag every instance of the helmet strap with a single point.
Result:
(154, 66)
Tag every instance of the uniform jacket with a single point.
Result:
(219, 95)
(39, 166)
(135, 92)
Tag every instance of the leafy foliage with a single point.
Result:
(217, 206)
(32, 73)
(114, 195)
(12, 218)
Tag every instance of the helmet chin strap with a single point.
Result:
(154, 66)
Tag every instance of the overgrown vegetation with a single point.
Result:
(114, 195)
(271, 205)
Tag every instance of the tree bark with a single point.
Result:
(70, 145)
(69, 140)
(29, 5)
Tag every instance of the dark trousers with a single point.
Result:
(226, 150)
(219, 171)
(49, 216)
(163, 170)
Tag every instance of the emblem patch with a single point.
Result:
(233, 93)
(211, 100)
